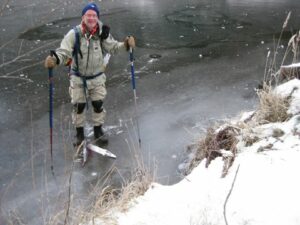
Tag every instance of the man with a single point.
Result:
(83, 49)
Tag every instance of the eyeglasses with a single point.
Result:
(93, 16)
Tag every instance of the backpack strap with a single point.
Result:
(104, 35)
(77, 50)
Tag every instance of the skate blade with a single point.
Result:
(101, 151)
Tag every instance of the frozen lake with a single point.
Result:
(197, 62)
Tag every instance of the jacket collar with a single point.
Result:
(86, 31)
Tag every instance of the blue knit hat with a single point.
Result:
(91, 6)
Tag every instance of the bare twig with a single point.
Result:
(266, 66)
(228, 195)
(286, 20)
(28, 53)
(69, 194)
(23, 68)
(32, 150)
(70, 183)
(20, 49)
(3, 7)
(7, 43)
(287, 51)
(17, 78)
(15, 177)
(279, 40)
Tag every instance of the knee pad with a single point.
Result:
(79, 108)
(97, 106)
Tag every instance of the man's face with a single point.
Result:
(90, 19)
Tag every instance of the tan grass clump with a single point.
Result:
(121, 199)
(272, 106)
(203, 149)
(211, 145)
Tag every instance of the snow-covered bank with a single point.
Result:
(265, 191)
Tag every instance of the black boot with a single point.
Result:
(99, 135)
(79, 135)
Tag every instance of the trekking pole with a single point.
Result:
(134, 92)
(50, 73)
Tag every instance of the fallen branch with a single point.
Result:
(28, 53)
(228, 195)
(20, 48)
(18, 70)
(17, 78)
(69, 194)
(3, 7)
(10, 41)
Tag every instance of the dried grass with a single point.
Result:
(272, 106)
(112, 199)
(14, 219)
(104, 199)
(211, 145)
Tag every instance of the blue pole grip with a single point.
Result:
(132, 69)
